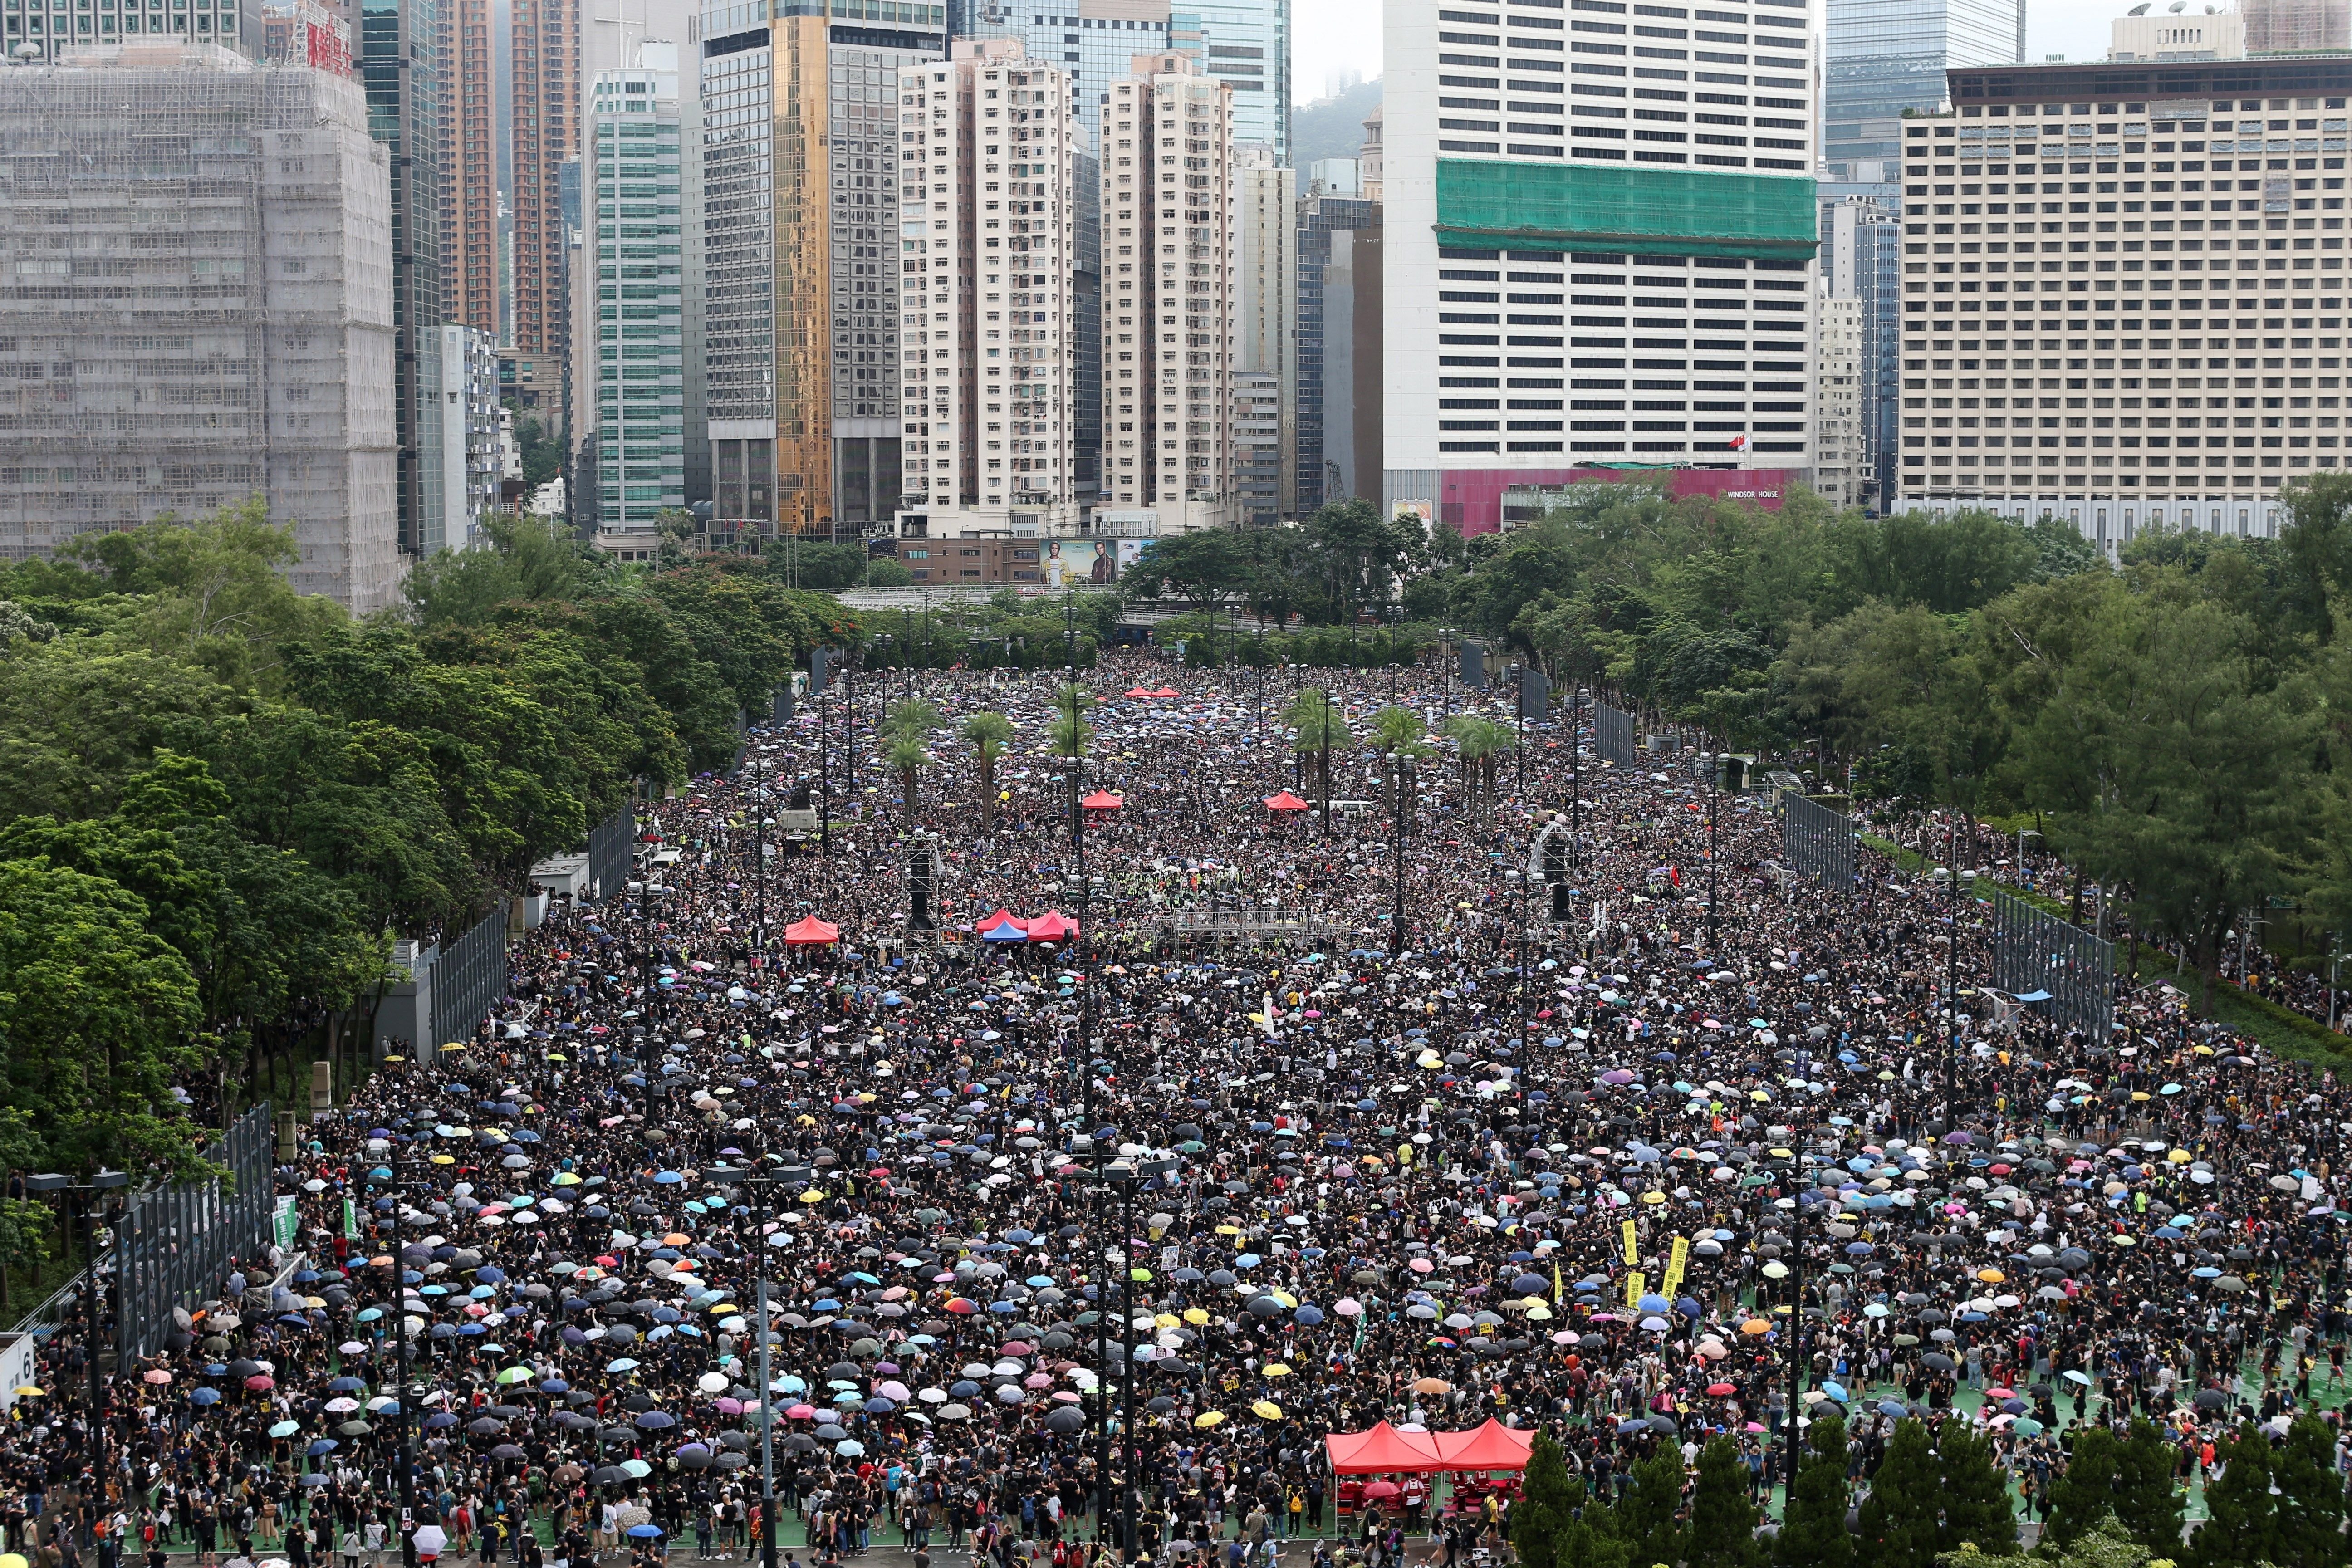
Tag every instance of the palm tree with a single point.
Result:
(1396, 735)
(1478, 742)
(913, 718)
(1320, 727)
(907, 754)
(1070, 737)
(989, 732)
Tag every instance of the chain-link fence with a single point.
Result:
(174, 1245)
(1816, 841)
(2036, 953)
(1612, 734)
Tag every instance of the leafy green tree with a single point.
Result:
(2241, 1521)
(990, 733)
(2103, 1546)
(525, 558)
(2310, 1501)
(1812, 1526)
(1479, 744)
(1901, 1520)
(1595, 1538)
(1203, 569)
(1974, 1490)
(1722, 1519)
(1547, 1506)
(1649, 1517)
(97, 1021)
(2149, 1504)
(2084, 1492)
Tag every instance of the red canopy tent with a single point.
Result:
(1001, 917)
(1053, 926)
(1493, 1446)
(1138, 692)
(1383, 1450)
(1165, 692)
(1103, 800)
(811, 931)
(1286, 801)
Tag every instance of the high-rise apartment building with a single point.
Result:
(1371, 157)
(400, 65)
(1265, 328)
(1841, 447)
(259, 360)
(629, 311)
(2283, 27)
(1886, 56)
(1861, 259)
(988, 216)
(1604, 266)
(544, 58)
(2123, 293)
(472, 463)
(1339, 320)
(469, 172)
(1168, 293)
(1092, 43)
(801, 256)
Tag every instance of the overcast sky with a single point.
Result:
(1331, 36)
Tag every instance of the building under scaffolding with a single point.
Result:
(199, 251)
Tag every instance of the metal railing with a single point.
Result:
(2034, 951)
(1816, 841)
(175, 1244)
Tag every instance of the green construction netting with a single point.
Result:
(1658, 212)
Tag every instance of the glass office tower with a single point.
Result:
(1887, 56)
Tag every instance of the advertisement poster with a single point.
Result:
(1090, 562)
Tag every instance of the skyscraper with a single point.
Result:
(400, 65)
(469, 188)
(1246, 44)
(1092, 43)
(1265, 335)
(544, 56)
(800, 202)
(988, 218)
(1168, 294)
(258, 357)
(1605, 266)
(2182, 398)
(1861, 259)
(1323, 337)
(630, 315)
(1887, 56)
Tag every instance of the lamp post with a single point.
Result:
(1714, 783)
(760, 1182)
(1408, 797)
(86, 1196)
(1951, 986)
(399, 1290)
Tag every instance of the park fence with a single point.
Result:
(2036, 954)
(1817, 841)
(1612, 734)
(176, 1244)
(612, 844)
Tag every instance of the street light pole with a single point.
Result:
(760, 1182)
(1407, 798)
(1714, 780)
(1951, 987)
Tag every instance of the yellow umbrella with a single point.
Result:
(2179, 1156)
(445, 1159)
(1195, 1316)
(1266, 1409)
(1164, 1320)
(1210, 1418)
(1277, 1369)
(812, 1196)
(29, 1390)
(1991, 1276)
(1755, 1326)
(12, 1560)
